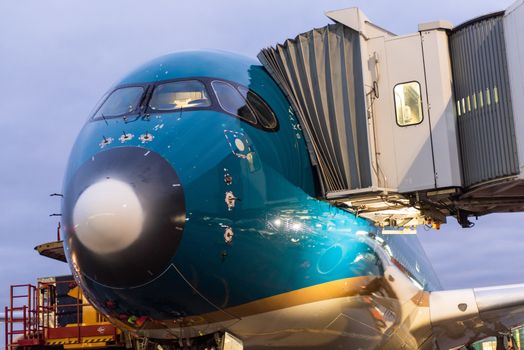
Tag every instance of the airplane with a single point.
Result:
(191, 221)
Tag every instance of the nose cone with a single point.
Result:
(108, 217)
(124, 214)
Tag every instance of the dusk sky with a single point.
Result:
(58, 57)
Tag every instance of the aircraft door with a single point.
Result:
(408, 114)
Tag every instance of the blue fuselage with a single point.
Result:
(228, 208)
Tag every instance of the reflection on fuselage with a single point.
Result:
(231, 234)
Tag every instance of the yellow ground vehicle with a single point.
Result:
(54, 314)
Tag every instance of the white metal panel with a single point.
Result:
(452, 305)
(368, 77)
(513, 29)
(374, 68)
(355, 19)
(446, 25)
(441, 108)
(463, 316)
(380, 113)
(413, 147)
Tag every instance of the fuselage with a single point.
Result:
(188, 211)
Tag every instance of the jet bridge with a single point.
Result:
(410, 129)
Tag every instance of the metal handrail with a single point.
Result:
(41, 312)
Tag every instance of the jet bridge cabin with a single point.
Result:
(410, 129)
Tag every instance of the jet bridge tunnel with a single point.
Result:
(411, 129)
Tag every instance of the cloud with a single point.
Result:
(487, 254)
(59, 57)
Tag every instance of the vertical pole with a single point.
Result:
(36, 299)
(11, 321)
(45, 310)
(31, 311)
(55, 308)
(33, 308)
(25, 321)
(6, 319)
(78, 308)
(10, 315)
(27, 327)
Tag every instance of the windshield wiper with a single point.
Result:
(104, 117)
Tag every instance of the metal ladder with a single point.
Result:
(23, 325)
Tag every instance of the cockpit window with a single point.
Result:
(179, 94)
(191, 93)
(264, 114)
(121, 102)
(232, 101)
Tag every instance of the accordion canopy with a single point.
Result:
(321, 73)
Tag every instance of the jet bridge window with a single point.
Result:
(121, 102)
(408, 103)
(179, 94)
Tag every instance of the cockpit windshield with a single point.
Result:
(191, 93)
(121, 102)
(179, 94)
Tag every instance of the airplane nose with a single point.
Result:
(124, 214)
(108, 217)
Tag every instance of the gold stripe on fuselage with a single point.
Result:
(330, 290)
(345, 287)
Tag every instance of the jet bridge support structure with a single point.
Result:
(411, 129)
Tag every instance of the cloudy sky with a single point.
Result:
(58, 57)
